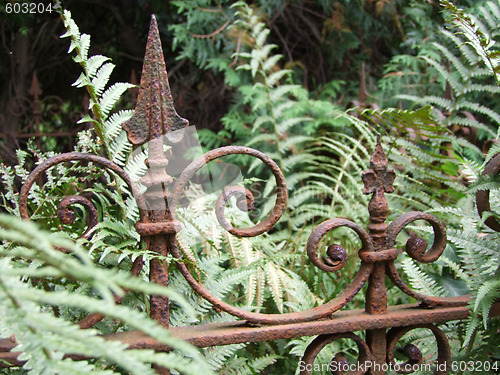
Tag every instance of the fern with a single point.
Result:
(279, 115)
(476, 265)
(44, 338)
(322, 151)
(439, 169)
(420, 281)
(477, 36)
(454, 62)
(95, 76)
(259, 269)
(486, 295)
(248, 366)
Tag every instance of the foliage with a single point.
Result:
(96, 72)
(472, 30)
(277, 116)
(457, 86)
(322, 151)
(114, 243)
(45, 338)
(434, 151)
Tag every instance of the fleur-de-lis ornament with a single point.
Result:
(378, 177)
(378, 180)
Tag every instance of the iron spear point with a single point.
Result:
(154, 114)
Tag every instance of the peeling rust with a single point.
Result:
(378, 180)
(216, 334)
(152, 229)
(155, 113)
(336, 256)
(380, 256)
(281, 190)
(155, 117)
(74, 157)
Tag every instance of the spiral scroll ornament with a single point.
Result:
(334, 259)
(68, 216)
(336, 255)
(156, 120)
(414, 355)
(417, 249)
(259, 228)
(338, 365)
(65, 211)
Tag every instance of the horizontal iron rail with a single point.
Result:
(217, 334)
(343, 321)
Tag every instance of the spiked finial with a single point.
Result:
(378, 176)
(154, 114)
(35, 90)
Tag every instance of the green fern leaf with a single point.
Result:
(111, 96)
(94, 63)
(419, 280)
(484, 298)
(101, 78)
(274, 281)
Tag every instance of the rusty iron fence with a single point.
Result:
(35, 110)
(154, 117)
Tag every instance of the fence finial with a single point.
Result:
(154, 114)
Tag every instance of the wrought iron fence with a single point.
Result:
(154, 118)
(36, 110)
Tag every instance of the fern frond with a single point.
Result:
(112, 95)
(457, 64)
(274, 281)
(45, 338)
(429, 99)
(101, 78)
(487, 293)
(419, 280)
(456, 86)
(476, 36)
(94, 63)
(481, 109)
(120, 148)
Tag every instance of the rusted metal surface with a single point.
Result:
(338, 365)
(414, 354)
(152, 229)
(155, 114)
(68, 216)
(74, 157)
(281, 189)
(64, 211)
(216, 334)
(483, 196)
(155, 120)
(92, 319)
(240, 332)
(416, 248)
(377, 181)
